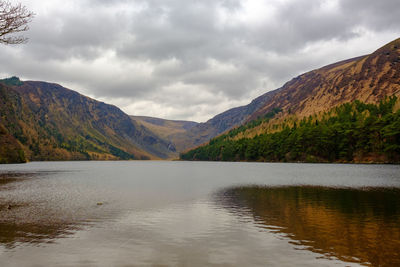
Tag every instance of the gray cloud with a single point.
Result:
(192, 59)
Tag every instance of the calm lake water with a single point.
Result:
(199, 213)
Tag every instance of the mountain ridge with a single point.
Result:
(367, 78)
(63, 124)
(359, 78)
(45, 117)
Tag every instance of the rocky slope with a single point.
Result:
(368, 78)
(50, 122)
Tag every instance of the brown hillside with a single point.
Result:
(368, 78)
(54, 123)
(169, 130)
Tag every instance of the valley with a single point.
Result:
(45, 121)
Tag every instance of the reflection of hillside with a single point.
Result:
(11, 234)
(28, 221)
(351, 224)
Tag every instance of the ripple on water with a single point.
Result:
(176, 213)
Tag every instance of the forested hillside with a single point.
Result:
(368, 78)
(352, 132)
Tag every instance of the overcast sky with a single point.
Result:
(191, 59)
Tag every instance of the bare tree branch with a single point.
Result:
(13, 19)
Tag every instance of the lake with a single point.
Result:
(128, 213)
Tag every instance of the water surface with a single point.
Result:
(199, 213)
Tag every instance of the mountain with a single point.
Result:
(202, 132)
(352, 132)
(45, 121)
(171, 130)
(344, 112)
(367, 78)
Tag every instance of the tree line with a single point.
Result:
(352, 132)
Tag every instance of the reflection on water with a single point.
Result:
(12, 177)
(32, 216)
(354, 225)
(168, 213)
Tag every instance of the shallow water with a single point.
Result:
(199, 213)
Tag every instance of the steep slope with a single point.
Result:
(347, 111)
(11, 149)
(367, 78)
(352, 132)
(55, 123)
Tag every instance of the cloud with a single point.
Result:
(183, 59)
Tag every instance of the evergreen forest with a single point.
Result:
(352, 132)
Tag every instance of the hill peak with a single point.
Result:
(12, 81)
(393, 46)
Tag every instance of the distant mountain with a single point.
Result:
(202, 132)
(45, 121)
(171, 130)
(367, 78)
